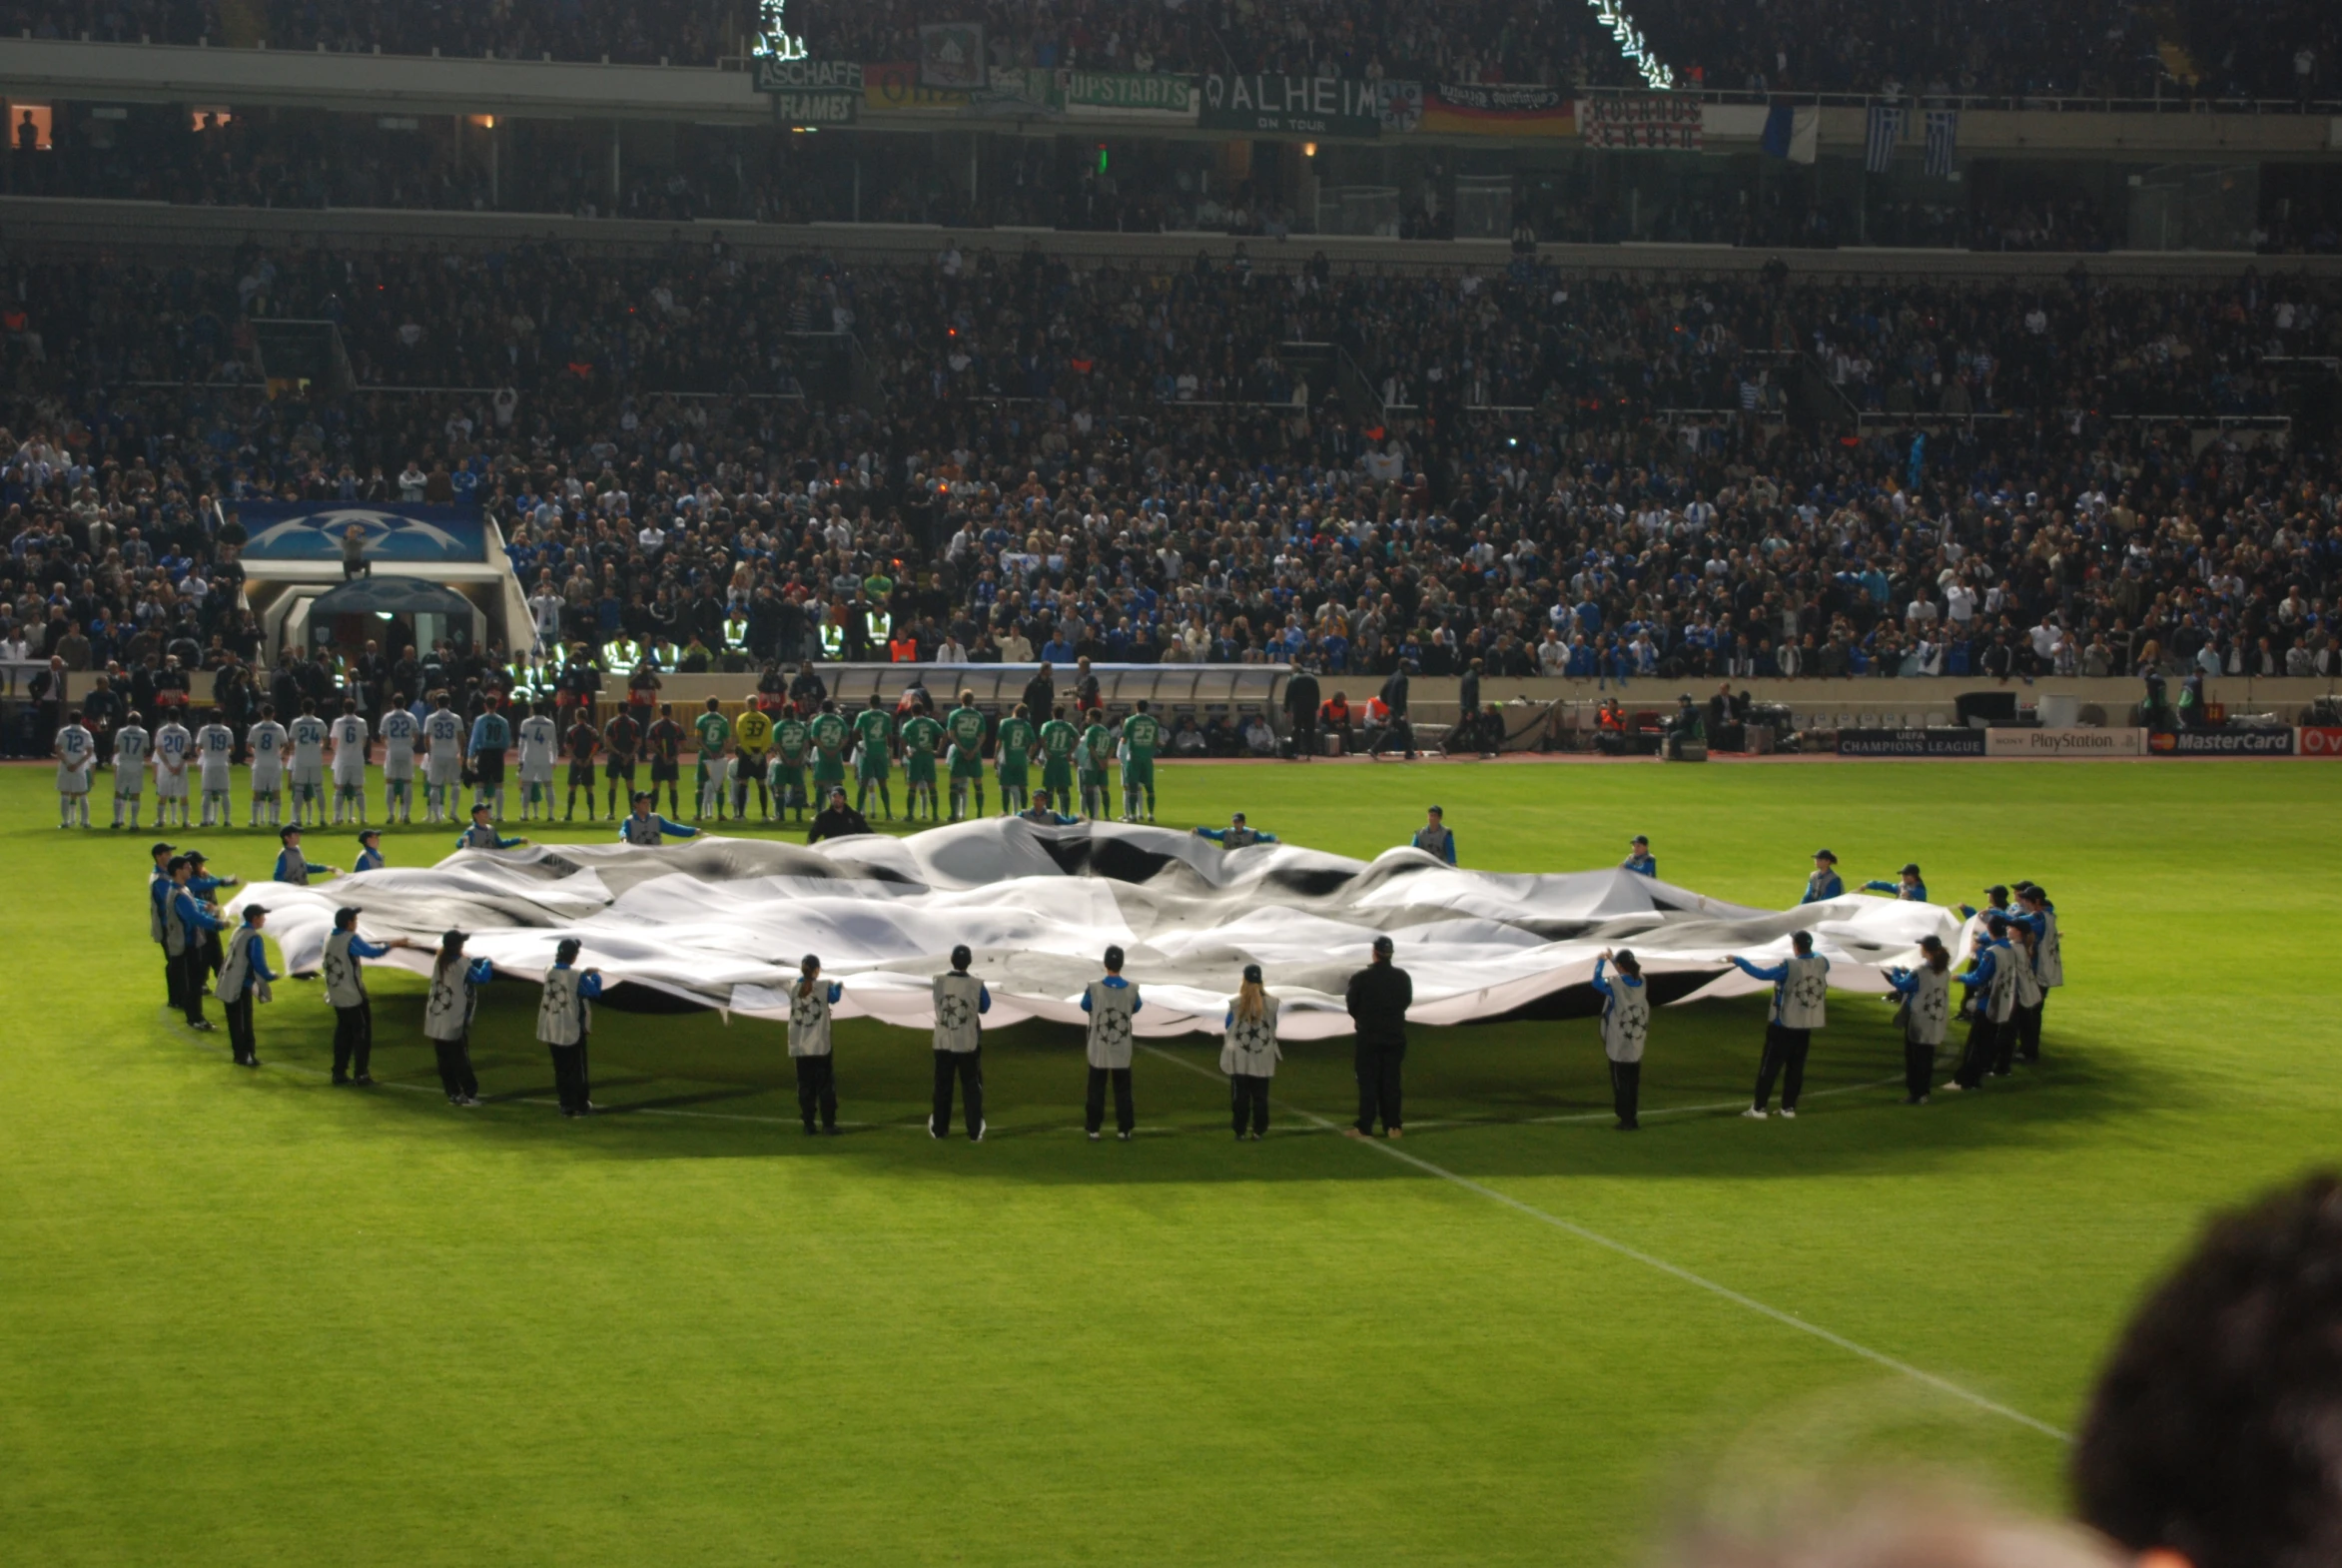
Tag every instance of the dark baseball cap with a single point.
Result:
(251, 910)
(1823, 854)
(195, 857)
(162, 849)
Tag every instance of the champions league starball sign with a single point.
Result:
(310, 532)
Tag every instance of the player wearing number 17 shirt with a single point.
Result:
(131, 744)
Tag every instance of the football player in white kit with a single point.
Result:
(351, 738)
(307, 734)
(400, 731)
(443, 730)
(267, 740)
(174, 749)
(215, 749)
(538, 743)
(131, 746)
(77, 759)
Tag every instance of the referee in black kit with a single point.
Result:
(1380, 995)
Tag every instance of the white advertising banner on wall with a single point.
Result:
(2086, 742)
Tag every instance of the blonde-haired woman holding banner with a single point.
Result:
(1248, 1055)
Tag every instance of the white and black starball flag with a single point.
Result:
(723, 922)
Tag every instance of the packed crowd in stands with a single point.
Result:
(2089, 48)
(2092, 48)
(680, 32)
(1029, 477)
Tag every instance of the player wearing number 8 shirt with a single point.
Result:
(965, 726)
(1011, 758)
(267, 741)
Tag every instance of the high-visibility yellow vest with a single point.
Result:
(833, 640)
(736, 633)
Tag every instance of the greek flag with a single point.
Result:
(1942, 141)
(1886, 130)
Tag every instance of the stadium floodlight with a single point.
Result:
(773, 39)
(1631, 43)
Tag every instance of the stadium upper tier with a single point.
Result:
(1152, 466)
(2064, 48)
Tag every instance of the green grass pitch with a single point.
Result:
(249, 1318)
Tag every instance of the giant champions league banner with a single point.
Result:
(394, 531)
(723, 922)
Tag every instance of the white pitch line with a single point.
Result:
(1571, 1227)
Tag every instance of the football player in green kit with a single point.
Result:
(1059, 742)
(828, 732)
(1141, 733)
(965, 726)
(874, 727)
(715, 733)
(1098, 745)
(791, 741)
(1012, 755)
(920, 732)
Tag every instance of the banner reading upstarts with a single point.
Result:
(1128, 98)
